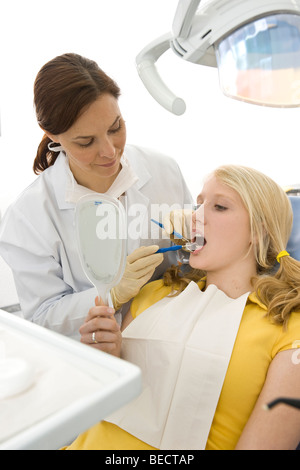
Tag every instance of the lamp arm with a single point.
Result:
(184, 15)
(147, 71)
(147, 58)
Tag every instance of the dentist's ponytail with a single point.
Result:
(44, 157)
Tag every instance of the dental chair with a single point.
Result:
(293, 246)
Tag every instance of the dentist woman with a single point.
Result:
(83, 150)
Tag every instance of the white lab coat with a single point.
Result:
(37, 238)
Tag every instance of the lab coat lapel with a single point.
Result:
(60, 177)
(137, 206)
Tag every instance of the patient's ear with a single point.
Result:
(261, 237)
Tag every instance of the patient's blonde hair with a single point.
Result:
(271, 219)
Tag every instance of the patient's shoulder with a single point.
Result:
(149, 295)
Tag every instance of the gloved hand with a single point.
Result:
(140, 265)
(179, 221)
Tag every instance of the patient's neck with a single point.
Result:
(232, 284)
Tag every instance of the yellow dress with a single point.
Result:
(257, 343)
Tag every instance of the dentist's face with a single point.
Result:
(224, 222)
(95, 143)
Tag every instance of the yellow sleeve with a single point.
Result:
(149, 295)
(289, 338)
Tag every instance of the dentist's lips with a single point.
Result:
(107, 165)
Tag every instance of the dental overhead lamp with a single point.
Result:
(254, 43)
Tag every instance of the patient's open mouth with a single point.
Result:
(195, 245)
(199, 239)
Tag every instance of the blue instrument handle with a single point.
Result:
(169, 248)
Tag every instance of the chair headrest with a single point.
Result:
(293, 246)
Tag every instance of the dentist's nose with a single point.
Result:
(106, 149)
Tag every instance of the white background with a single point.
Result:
(214, 130)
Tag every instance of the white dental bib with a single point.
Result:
(183, 346)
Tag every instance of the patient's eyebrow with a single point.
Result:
(201, 197)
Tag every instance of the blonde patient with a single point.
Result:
(246, 220)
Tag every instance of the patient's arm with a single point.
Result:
(279, 428)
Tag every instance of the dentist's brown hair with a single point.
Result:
(64, 87)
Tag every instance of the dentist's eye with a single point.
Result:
(87, 144)
(114, 130)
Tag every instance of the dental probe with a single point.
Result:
(188, 246)
(170, 248)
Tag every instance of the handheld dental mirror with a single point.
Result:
(101, 231)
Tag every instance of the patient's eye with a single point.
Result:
(220, 208)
